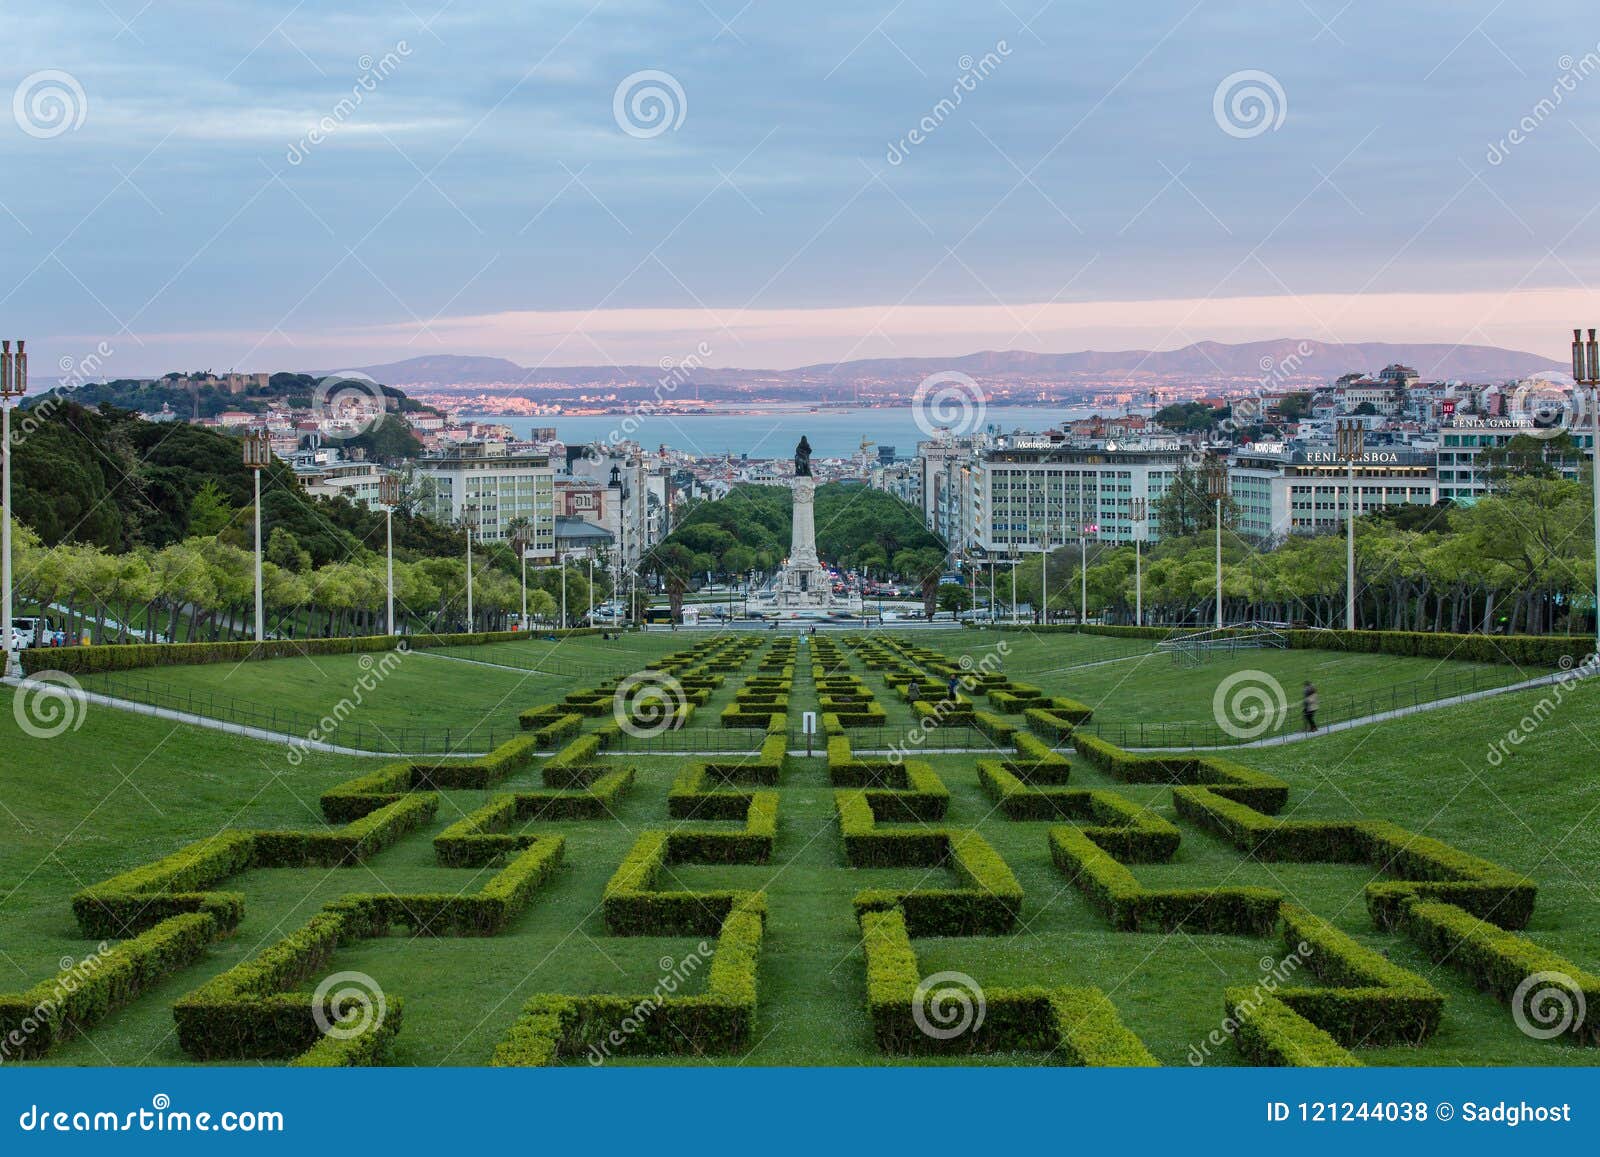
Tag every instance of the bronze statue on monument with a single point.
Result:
(802, 458)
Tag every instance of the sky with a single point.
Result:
(251, 185)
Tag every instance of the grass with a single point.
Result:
(123, 790)
(1130, 683)
(406, 706)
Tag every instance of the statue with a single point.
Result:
(802, 458)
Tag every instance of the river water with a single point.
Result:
(773, 433)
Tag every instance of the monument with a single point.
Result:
(804, 584)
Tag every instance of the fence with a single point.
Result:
(1330, 709)
(354, 732)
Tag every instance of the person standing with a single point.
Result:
(1308, 705)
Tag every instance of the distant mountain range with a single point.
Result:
(1286, 360)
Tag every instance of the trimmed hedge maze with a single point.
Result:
(886, 900)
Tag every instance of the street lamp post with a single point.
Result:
(389, 498)
(13, 384)
(519, 543)
(591, 586)
(1217, 487)
(1083, 571)
(257, 456)
(562, 559)
(1351, 443)
(1044, 578)
(471, 520)
(1013, 554)
(1585, 372)
(1138, 575)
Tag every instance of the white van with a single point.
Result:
(30, 632)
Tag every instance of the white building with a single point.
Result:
(326, 473)
(1034, 493)
(481, 484)
(1277, 491)
(1463, 440)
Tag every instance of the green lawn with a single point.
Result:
(1130, 683)
(124, 790)
(399, 703)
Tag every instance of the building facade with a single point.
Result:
(483, 485)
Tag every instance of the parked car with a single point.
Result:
(31, 632)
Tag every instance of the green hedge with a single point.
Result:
(354, 843)
(552, 1028)
(79, 997)
(1071, 1026)
(1425, 867)
(1523, 650)
(1270, 1033)
(633, 907)
(139, 899)
(1366, 999)
(1113, 891)
(486, 912)
(1265, 793)
(1499, 962)
(125, 656)
(249, 1011)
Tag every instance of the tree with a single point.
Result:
(954, 597)
(209, 512)
(922, 567)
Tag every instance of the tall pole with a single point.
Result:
(563, 560)
(1044, 580)
(591, 586)
(257, 453)
(1219, 564)
(13, 384)
(1217, 485)
(1585, 372)
(261, 618)
(469, 578)
(1138, 587)
(1013, 587)
(1350, 549)
(522, 623)
(388, 534)
(1351, 436)
(1083, 577)
(13, 668)
(1138, 576)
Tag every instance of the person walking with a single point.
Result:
(1308, 705)
(913, 691)
(950, 691)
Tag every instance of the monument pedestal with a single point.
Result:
(804, 583)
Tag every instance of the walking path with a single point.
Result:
(264, 735)
(1397, 713)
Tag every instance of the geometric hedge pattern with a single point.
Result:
(892, 822)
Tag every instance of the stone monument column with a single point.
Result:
(803, 538)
